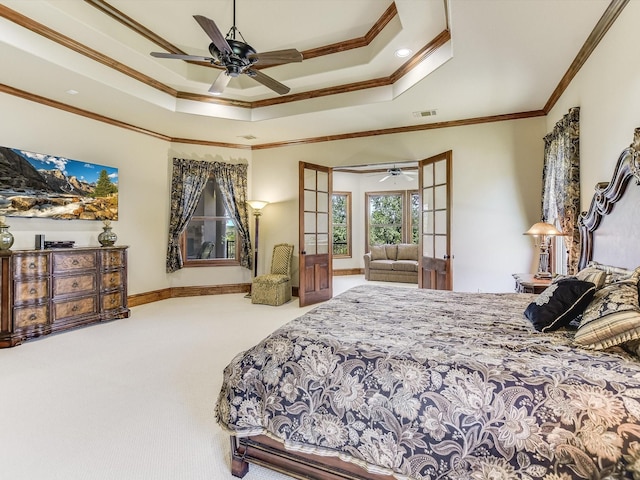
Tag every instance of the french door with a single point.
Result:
(434, 180)
(315, 238)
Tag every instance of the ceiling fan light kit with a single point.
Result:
(397, 172)
(236, 57)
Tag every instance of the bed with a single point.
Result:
(471, 386)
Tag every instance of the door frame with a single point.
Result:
(443, 278)
(316, 270)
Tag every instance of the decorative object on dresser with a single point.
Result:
(107, 238)
(59, 244)
(529, 283)
(542, 233)
(6, 237)
(49, 291)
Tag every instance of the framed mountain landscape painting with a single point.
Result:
(46, 186)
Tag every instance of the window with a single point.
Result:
(210, 237)
(392, 217)
(341, 204)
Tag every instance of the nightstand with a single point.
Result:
(528, 283)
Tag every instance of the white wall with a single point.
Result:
(144, 164)
(497, 171)
(607, 90)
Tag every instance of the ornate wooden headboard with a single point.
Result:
(610, 229)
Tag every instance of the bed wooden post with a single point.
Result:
(239, 466)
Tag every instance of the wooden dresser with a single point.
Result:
(49, 291)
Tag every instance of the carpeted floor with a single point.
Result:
(131, 399)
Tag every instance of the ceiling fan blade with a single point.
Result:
(194, 58)
(384, 178)
(221, 82)
(269, 82)
(277, 57)
(211, 29)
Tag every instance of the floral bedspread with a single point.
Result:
(438, 385)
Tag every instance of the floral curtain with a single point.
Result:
(232, 180)
(187, 183)
(561, 183)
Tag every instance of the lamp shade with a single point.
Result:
(543, 228)
(257, 204)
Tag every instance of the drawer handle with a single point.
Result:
(74, 308)
(32, 265)
(33, 316)
(75, 261)
(114, 301)
(33, 291)
(75, 285)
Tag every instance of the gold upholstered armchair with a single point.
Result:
(274, 288)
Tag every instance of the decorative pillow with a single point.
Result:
(378, 252)
(612, 317)
(392, 251)
(408, 251)
(559, 304)
(593, 275)
(632, 347)
(559, 278)
(616, 274)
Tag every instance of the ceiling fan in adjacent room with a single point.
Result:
(236, 57)
(397, 172)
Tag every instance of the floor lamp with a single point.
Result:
(257, 206)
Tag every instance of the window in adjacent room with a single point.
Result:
(341, 204)
(210, 237)
(392, 217)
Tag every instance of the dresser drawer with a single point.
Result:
(112, 259)
(29, 316)
(75, 284)
(74, 308)
(73, 261)
(33, 290)
(30, 265)
(112, 280)
(112, 301)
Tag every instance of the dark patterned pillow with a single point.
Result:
(612, 317)
(559, 304)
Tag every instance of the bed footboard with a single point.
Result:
(271, 454)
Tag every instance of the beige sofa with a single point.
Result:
(392, 263)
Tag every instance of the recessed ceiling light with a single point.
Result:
(403, 52)
(72, 92)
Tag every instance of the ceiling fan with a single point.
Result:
(236, 57)
(397, 172)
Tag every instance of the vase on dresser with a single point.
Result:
(6, 237)
(107, 238)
